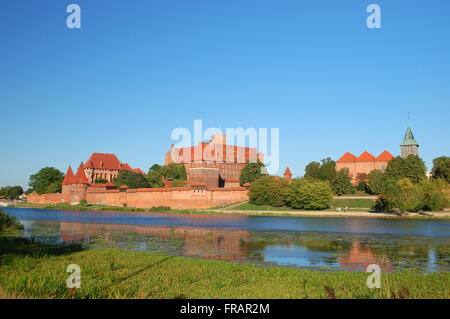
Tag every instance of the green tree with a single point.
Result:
(441, 168)
(411, 167)
(308, 193)
(341, 183)
(312, 170)
(11, 192)
(157, 173)
(410, 196)
(101, 181)
(434, 198)
(131, 179)
(8, 222)
(42, 181)
(268, 190)
(376, 181)
(250, 172)
(327, 170)
(179, 183)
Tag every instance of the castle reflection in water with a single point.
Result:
(225, 244)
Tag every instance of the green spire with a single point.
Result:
(409, 138)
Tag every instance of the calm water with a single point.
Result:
(307, 242)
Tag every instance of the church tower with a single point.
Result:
(409, 145)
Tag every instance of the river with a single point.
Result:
(305, 242)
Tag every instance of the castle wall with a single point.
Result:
(53, 198)
(356, 169)
(176, 198)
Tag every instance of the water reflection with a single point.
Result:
(327, 251)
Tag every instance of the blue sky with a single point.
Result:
(138, 69)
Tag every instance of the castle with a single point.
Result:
(359, 167)
(106, 167)
(82, 186)
(213, 163)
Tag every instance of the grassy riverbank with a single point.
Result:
(30, 269)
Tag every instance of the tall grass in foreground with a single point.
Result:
(35, 270)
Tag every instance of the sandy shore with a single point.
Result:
(333, 213)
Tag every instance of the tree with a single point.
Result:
(101, 181)
(341, 183)
(376, 181)
(441, 168)
(131, 179)
(11, 192)
(250, 172)
(157, 173)
(268, 190)
(411, 167)
(42, 181)
(179, 183)
(312, 170)
(307, 193)
(327, 170)
(434, 198)
(410, 196)
(405, 196)
(8, 222)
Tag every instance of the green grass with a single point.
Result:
(29, 269)
(366, 203)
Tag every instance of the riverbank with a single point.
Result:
(235, 209)
(33, 270)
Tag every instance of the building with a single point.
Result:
(287, 174)
(105, 166)
(409, 145)
(213, 163)
(359, 167)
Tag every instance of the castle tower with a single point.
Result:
(409, 145)
(288, 174)
(74, 186)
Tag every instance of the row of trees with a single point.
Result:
(11, 192)
(326, 171)
(301, 193)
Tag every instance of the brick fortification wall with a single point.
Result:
(176, 198)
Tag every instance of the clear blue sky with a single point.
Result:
(138, 69)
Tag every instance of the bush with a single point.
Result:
(83, 203)
(405, 196)
(304, 193)
(433, 195)
(341, 183)
(8, 222)
(268, 190)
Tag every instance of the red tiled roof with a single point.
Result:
(69, 178)
(104, 161)
(217, 153)
(287, 171)
(346, 158)
(109, 162)
(365, 157)
(123, 186)
(81, 176)
(385, 156)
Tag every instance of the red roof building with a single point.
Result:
(359, 167)
(105, 166)
(215, 154)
